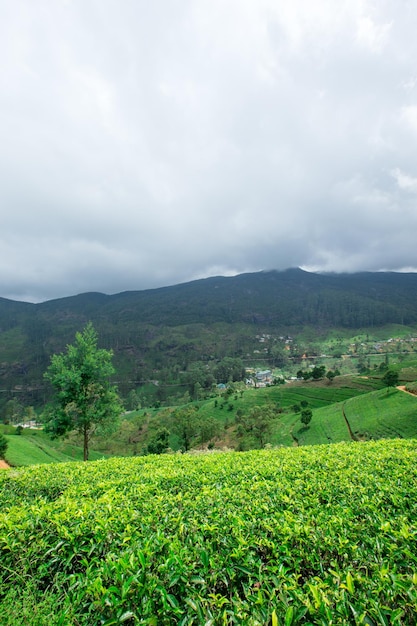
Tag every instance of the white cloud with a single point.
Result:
(405, 181)
(372, 35)
(409, 116)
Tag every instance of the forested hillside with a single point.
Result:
(156, 334)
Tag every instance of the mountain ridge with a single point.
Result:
(202, 320)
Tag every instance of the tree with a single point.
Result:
(84, 398)
(230, 370)
(159, 443)
(198, 373)
(186, 424)
(132, 401)
(306, 416)
(3, 446)
(330, 376)
(318, 372)
(279, 355)
(13, 412)
(390, 379)
(257, 423)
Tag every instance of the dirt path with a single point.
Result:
(3, 464)
(402, 388)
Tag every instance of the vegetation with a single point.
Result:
(244, 418)
(85, 400)
(381, 415)
(35, 446)
(314, 535)
(306, 416)
(3, 446)
(411, 388)
(298, 534)
(169, 342)
(390, 379)
(241, 418)
(185, 355)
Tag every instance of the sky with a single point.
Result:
(145, 144)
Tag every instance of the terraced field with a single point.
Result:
(383, 414)
(376, 415)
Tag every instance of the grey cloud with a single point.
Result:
(149, 144)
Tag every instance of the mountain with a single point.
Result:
(169, 328)
(288, 298)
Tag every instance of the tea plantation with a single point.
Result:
(309, 535)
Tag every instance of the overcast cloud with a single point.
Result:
(144, 144)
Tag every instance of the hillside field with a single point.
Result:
(393, 415)
(309, 535)
(371, 415)
(33, 447)
(376, 415)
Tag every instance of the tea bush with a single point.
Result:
(314, 535)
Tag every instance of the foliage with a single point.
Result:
(3, 446)
(411, 387)
(251, 538)
(186, 424)
(374, 415)
(13, 412)
(214, 422)
(229, 370)
(316, 373)
(306, 416)
(84, 398)
(390, 378)
(379, 415)
(159, 443)
(257, 423)
(331, 375)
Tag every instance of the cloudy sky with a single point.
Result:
(144, 144)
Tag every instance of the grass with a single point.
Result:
(324, 398)
(34, 447)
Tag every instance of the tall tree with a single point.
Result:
(84, 398)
